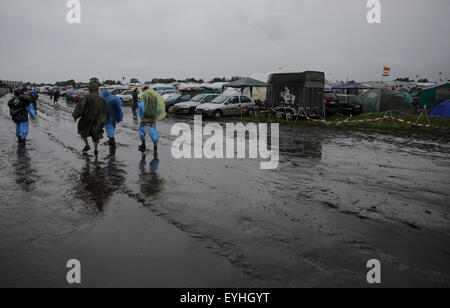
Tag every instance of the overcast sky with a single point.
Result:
(215, 38)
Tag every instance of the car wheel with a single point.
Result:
(217, 114)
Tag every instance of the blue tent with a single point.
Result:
(442, 110)
(351, 88)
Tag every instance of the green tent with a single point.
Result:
(429, 98)
(381, 100)
(246, 83)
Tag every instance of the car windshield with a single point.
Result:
(342, 98)
(174, 96)
(331, 96)
(198, 98)
(220, 99)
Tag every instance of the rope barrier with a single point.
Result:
(337, 123)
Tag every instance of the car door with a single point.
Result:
(246, 103)
(232, 106)
(208, 99)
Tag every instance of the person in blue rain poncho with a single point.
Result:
(151, 108)
(34, 94)
(115, 116)
(20, 106)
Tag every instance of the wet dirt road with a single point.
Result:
(337, 200)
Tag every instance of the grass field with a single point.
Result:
(436, 123)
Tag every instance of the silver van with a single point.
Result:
(225, 105)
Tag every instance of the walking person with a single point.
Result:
(20, 106)
(56, 96)
(93, 114)
(151, 108)
(114, 105)
(34, 97)
(135, 100)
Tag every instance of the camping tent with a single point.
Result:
(351, 88)
(442, 94)
(407, 96)
(442, 110)
(331, 86)
(380, 100)
(429, 98)
(246, 85)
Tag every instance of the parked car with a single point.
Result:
(224, 105)
(126, 96)
(185, 96)
(51, 90)
(167, 93)
(178, 98)
(118, 91)
(80, 94)
(170, 96)
(349, 104)
(189, 107)
(331, 101)
(63, 92)
(70, 95)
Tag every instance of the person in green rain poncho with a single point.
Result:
(151, 108)
(93, 114)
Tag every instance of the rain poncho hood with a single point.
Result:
(152, 107)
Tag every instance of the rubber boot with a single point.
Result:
(142, 147)
(112, 142)
(87, 148)
(155, 149)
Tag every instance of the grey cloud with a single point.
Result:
(208, 38)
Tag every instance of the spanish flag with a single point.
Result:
(386, 71)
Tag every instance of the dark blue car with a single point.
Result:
(185, 96)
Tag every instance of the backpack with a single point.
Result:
(18, 111)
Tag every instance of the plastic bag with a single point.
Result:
(161, 111)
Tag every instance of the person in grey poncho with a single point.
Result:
(93, 114)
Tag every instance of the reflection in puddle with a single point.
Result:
(97, 183)
(152, 185)
(23, 170)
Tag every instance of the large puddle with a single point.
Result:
(338, 199)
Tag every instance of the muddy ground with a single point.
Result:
(338, 199)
